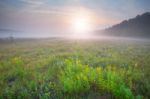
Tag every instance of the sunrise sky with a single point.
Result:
(57, 17)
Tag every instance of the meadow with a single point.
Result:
(74, 69)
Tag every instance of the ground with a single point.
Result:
(74, 69)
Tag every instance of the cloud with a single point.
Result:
(4, 30)
(31, 4)
(34, 2)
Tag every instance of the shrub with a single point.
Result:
(74, 77)
(78, 78)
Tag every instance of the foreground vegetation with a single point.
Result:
(74, 69)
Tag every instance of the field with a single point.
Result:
(74, 69)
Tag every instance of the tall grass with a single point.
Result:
(61, 69)
(77, 78)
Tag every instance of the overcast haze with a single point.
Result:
(42, 18)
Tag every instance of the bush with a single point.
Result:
(74, 77)
(78, 78)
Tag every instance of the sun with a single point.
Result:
(80, 24)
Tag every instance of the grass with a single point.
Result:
(74, 69)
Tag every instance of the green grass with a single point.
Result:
(74, 69)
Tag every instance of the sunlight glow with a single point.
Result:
(80, 25)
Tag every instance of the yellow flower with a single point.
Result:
(98, 69)
(78, 77)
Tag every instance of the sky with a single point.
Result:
(43, 18)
